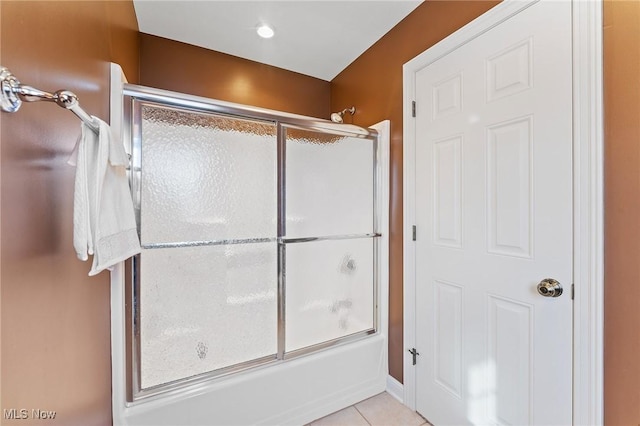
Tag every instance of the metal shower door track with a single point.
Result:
(199, 103)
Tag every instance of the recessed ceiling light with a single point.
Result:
(265, 31)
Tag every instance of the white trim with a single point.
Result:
(118, 351)
(588, 202)
(588, 404)
(395, 388)
(408, 220)
(384, 157)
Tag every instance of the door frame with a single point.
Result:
(588, 208)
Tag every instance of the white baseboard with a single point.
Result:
(395, 389)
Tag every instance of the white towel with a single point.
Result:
(104, 222)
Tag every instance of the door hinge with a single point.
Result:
(413, 108)
(573, 291)
(414, 231)
(414, 353)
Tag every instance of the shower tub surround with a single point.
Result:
(263, 276)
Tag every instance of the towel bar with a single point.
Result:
(13, 93)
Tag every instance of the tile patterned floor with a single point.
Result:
(380, 410)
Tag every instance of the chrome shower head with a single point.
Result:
(336, 117)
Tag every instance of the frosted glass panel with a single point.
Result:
(206, 177)
(205, 308)
(330, 290)
(329, 184)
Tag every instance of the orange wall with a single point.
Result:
(55, 319)
(216, 75)
(622, 212)
(373, 83)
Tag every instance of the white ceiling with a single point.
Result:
(316, 38)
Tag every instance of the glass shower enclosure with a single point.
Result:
(260, 237)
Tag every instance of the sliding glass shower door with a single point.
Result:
(328, 236)
(259, 238)
(208, 227)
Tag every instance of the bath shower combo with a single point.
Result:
(264, 266)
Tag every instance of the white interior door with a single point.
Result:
(494, 218)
